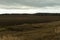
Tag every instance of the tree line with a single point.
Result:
(37, 14)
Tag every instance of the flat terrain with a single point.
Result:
(28, 27)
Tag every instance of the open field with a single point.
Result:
(28, 27)
(26, 19)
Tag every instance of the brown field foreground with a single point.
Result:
(39, 31)
(29, 27)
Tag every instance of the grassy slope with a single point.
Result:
(29, 27)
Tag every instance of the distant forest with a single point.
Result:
(37, 14)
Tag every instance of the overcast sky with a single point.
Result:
(29, 6)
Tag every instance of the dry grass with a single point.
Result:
(41, 31)
(10, 37)
(29, 27)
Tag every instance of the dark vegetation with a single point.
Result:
(37, 14)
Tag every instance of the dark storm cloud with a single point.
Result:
(34, 3)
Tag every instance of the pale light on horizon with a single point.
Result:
(54, 9)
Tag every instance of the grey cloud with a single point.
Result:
(34, 3)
